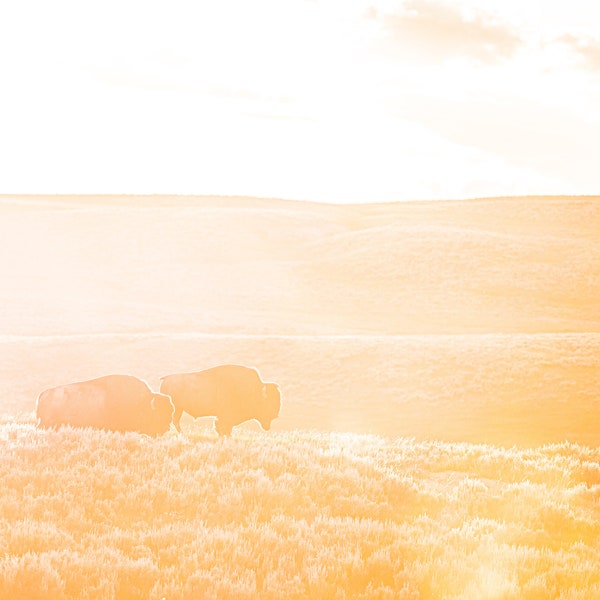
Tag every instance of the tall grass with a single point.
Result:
(502, 389)
(91, 514)
(360, 314)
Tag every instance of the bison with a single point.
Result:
(113, 402)
(232, 393)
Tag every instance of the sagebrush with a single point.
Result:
(91, 514)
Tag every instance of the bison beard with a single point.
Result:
(232, 393)
(113, 402)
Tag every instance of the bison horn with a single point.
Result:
(153, 403)
(264, 392)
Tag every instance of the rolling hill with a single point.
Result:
(469, 320)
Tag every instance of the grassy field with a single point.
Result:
(439, 365)
(505, 389)
(137, 264)
(89, 514)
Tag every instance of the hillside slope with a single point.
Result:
(463, 321)
(102, 264)
(504, 388)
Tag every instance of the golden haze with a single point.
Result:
(459, 335)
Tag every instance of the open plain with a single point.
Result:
(440, 372)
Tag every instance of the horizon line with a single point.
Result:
(190, 196)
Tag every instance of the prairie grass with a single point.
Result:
(503, 389)
(466, 332)
(92, 514)
(131, 264)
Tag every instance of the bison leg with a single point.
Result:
(176, 416)
(223, 428)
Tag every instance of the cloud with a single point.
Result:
(550, 141)
(588, 50)
(435, 31)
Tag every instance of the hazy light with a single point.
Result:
(321, 101)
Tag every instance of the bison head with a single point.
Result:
(270, 405)
(162, 413)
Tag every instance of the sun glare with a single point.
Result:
(323, 101)
(299, 300)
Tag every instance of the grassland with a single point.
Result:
(440, 369)
(504, 389)
(137, 264)
(460, 321)
(88, 514)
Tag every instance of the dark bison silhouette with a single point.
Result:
(113, 402)
(232, 393)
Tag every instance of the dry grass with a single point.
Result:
(467, 322)
(88, 514)
(463, 321)
(503, 389)
(101, 264)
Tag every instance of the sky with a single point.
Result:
(323, 100)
